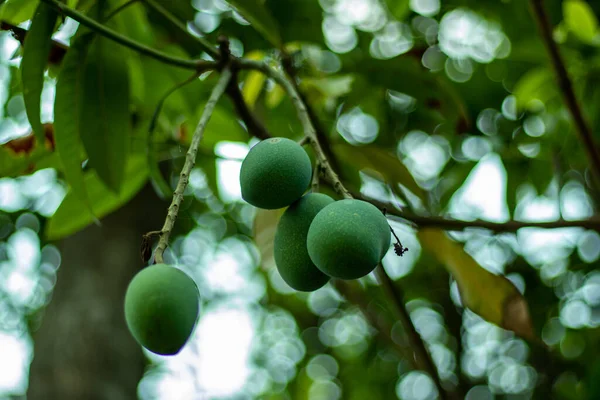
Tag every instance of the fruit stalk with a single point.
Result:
(190, 161)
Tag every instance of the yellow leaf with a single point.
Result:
(581, 20)
(493, 297)
(253, 85)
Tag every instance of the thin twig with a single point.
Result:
(190, 161)
(254, 126)
(420, 352)
(196, 65)
(303, 141)
(291, 71)
(422, 357)
(450, 224)
(206, 45)
(566, 87)
(383, 326)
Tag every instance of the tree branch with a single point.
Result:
(190, 161)
(254, 125)
(290, 70)
(419, 350)
(450, 224)
(422, 357)
(385, 329)
(196, 65)
(566, 87)
(206, 45)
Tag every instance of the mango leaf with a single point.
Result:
(493, 297)
(265, 226)
(17, 11)
(580, 20)
(260, 18)
(535, 84)
(106, 129)
(253, 86)
(72, 216)
(378, 162)
(36, 49)
(67, 116)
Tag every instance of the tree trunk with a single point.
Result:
(83, 349)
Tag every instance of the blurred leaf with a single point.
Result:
(331, 87)
(223, 125)
(67, 115)
(535, 84)
(400, 9)
(265, 226)
(35, 57)
(17, 11)
(377, 162)
(298, 20)
(106, 130)
(253, 86)
(260, 18)
(72, 216)
(580, 20)
(160, 184)
(274, 96)
(208, 163)
(493, 297)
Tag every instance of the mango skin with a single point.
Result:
(291, 255)
(275, 173)
(348, 238)
(161, 308)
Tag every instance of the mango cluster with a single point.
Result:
(162, 308)
(317, 238)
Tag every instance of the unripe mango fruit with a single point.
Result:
(348, 238)
(161, 308)
(275, 173)
(291, 255)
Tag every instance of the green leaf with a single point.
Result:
(535, 84)
(253, 86)
(72, 216)
(35, 57)
(17, 11)
(106, 129)
(580, 20)
(260, 18)
(67, 115)
(400, 9)
(493, 297)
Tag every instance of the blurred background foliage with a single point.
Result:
(435, 107)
